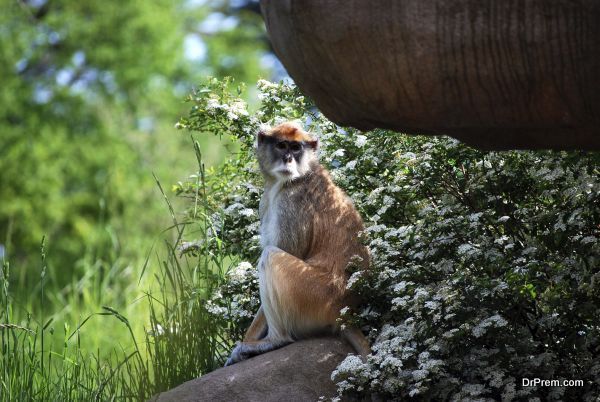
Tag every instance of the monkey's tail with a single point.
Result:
(357, 340)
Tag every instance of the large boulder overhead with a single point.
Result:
(499, 74)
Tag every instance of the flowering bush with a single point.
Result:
(485, 265)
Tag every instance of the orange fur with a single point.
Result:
(290, 132)
(257, 328)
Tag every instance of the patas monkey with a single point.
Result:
(309, 233)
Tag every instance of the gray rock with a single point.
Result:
(298, 372)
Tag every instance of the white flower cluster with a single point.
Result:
(494, 321)
(237, 301)
(241, 271)
(233, 110)
(268, 91)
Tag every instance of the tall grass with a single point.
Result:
(179, 340)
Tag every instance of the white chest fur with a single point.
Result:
(269, 226)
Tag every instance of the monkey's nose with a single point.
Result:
(287, 158)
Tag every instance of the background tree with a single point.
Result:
(90, 94)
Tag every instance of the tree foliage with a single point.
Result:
(90, 93)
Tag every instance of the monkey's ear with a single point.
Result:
(313, 144)
(260, 137)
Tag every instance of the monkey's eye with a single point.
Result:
(295, 147)
(281, 145)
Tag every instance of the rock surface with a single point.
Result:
(298, 372)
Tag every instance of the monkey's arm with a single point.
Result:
(258, 328)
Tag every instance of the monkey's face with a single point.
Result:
(285, 160)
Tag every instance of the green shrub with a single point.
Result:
(485, 264)
(486, 269)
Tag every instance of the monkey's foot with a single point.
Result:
(239, 353)
(244, 351)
